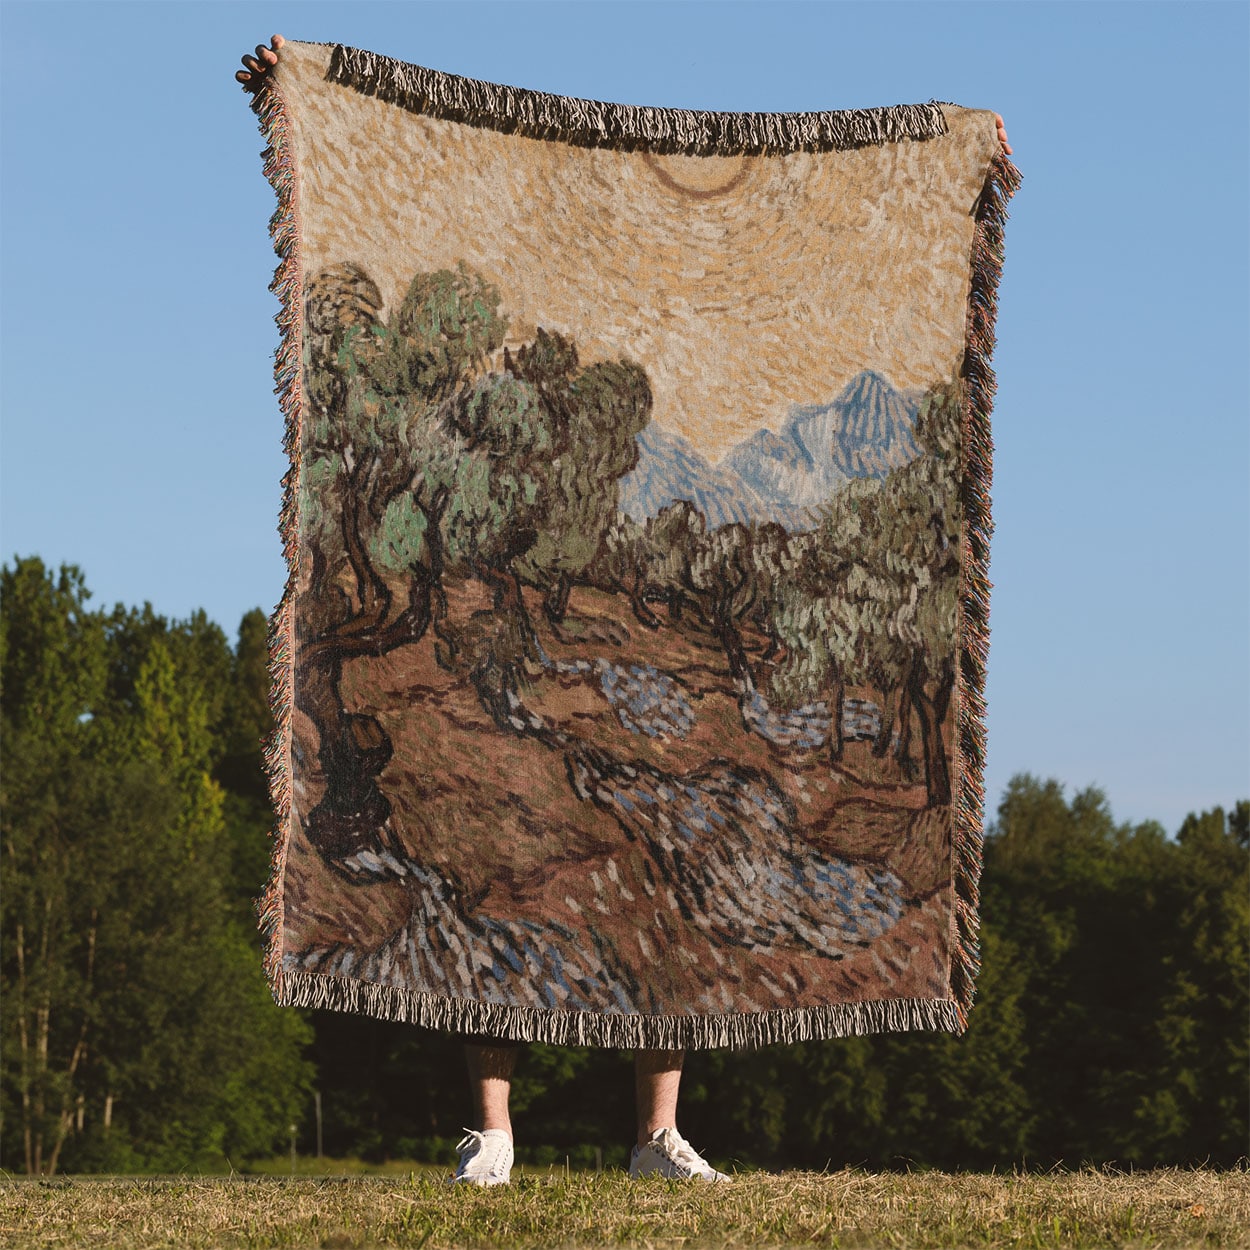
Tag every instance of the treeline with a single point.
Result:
(137, 1031)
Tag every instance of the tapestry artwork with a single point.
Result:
(629, 674)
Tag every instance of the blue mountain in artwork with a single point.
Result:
(865, 432)
(669, 468)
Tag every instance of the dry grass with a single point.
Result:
(1167, 1207)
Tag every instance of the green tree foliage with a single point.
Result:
(377, 475)
(138, 1029)
(708, 576)
(596, 413)
(622, 563)
(239, 769)
(420, 460)
(772, 551)
(817, 606)
(502, 486)
(378, 467)
(1205, 1002)
(870, 597)
(720, 578)
(417, 454)
(671, 539)
(1137, 982)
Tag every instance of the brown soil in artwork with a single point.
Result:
(642, 819)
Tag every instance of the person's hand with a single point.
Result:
(998, 117)
(259, 65)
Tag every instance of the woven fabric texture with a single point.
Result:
(628, 677)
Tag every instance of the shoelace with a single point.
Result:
(489, 1153)
(682, 1152)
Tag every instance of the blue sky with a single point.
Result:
(141, 438)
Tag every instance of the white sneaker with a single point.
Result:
(485, 1158)
(668, 1153)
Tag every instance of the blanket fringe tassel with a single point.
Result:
(593, 123)
(969, 839)
(734, 1031)
(287, 285)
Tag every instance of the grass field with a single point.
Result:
(842, 1209)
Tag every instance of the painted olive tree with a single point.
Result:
(379, 473)
(420, 460)
(594, 414)
(871, 595)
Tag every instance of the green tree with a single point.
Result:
(1135, 947)
(670, 540)
(138, 1028)
(709, 573)
(871, 595)
(500, 496)
(815, 612)
(419, 459)
(772, 551)
(533, 494)
(720, 578)
(621, 565)
(246, 726)
(378, 471)
(923, 520)
(53, 677)
(596, 413)
(1199, 1110)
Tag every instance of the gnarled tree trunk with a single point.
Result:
(930, 712)
(353, 748)
(556, 600)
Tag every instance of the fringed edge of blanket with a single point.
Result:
(584, 121)
(734, 1031)
(288, 286)
(1001, 183)
(593, 123)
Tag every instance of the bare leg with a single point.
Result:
(490, 1076)
(657, 1078)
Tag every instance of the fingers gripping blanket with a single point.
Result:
(628, 676)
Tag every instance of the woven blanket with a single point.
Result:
(628, 676)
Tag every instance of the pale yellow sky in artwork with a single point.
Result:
(743, 285)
